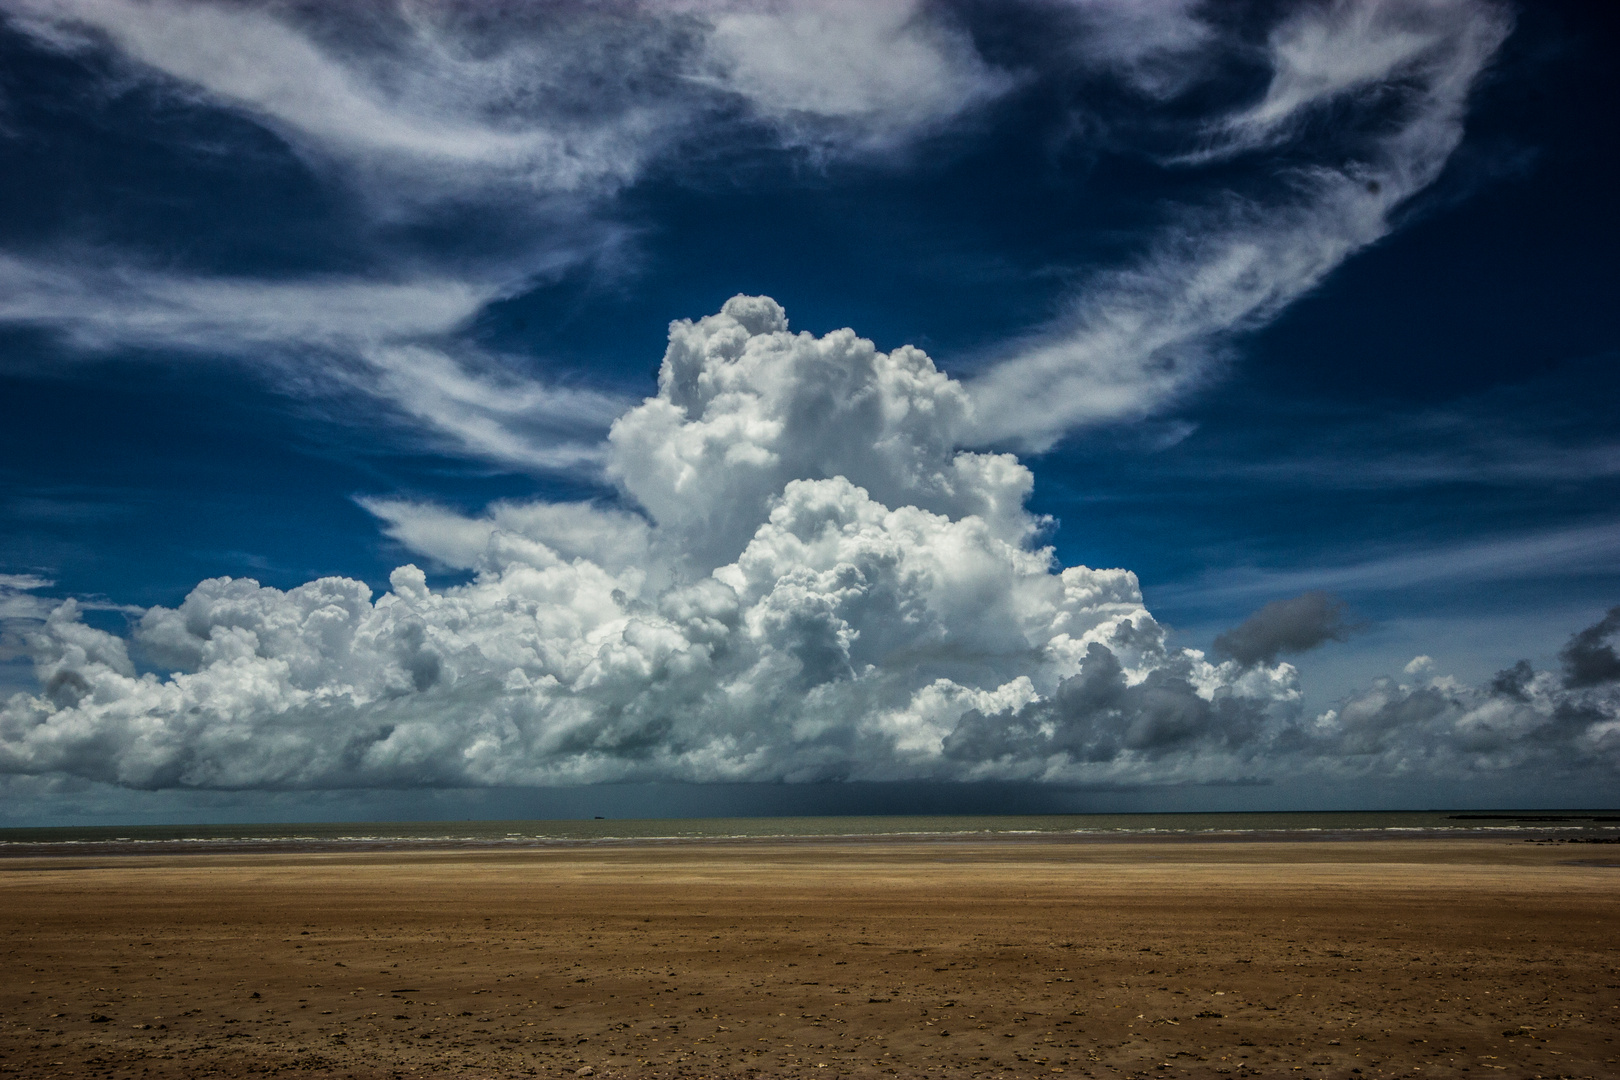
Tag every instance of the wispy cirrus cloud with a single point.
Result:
(392, 340)
(1159, 47)
(98, 300)
(1549, 429)
(1136, 339)
(18, 599)
(544, 115)
(1528, 556)
(1331, 51)
(1465, 455)
(531, 117)
(492, 412)
(428, 102)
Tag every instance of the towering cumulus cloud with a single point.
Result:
(809, 581)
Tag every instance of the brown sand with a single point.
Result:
(1491, 958)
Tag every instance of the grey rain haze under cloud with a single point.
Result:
(804, 558)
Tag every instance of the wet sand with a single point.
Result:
(951, 957)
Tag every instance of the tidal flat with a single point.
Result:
(873, 957)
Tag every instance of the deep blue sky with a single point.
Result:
(1429, 434)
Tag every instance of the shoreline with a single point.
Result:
(131, 848)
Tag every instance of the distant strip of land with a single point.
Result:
(1350, 958)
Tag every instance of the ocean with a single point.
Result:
(1570, 825)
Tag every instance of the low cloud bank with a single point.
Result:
(1538, 722)
(807, 580)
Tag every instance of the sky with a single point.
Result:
(440, 410)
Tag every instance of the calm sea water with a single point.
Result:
(1591, 823)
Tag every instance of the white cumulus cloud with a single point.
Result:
(806, 580)
(841, 75)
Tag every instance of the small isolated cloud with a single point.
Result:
(1419, 665)
(1295, 625)
(1589, 658)
(835, 75)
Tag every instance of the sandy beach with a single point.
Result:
(950, 957)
